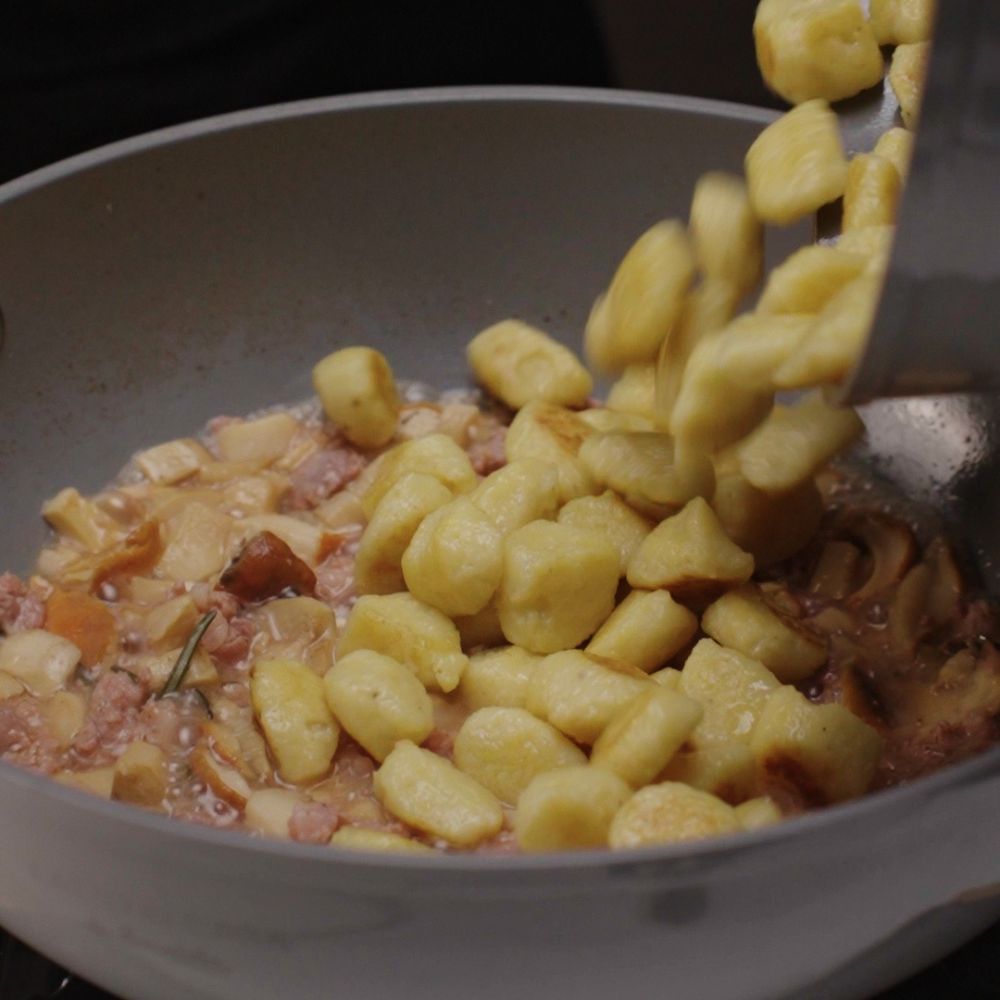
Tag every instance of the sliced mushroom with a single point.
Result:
(859, 693)
(836, 570)
(252, 748)
(964, 700)
(267, 567)
(892, 547)
(225, 782)
(780, 599)
(223, 742)
(947, 586)
(135, 555)
(908, 619)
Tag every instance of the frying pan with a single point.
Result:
(151, 285)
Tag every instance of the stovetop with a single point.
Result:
(971, 973)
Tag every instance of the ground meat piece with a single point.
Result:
(267, 567)
(31, 615)
(440, 742)
(235, 647)
(237, 692)
(207, 599)
(489, 454)
(230, 636)
(24, 739)
(350, 792)
(112, 718)
(353, 764)
(322, 474)
(313, 822)
(12, 592)
(20, 608)
(335, 580)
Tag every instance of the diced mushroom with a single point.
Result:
(99, 781)
(43, 662)
(202, 672)
(140, 775)
(268, 811)
(267, 567)
(65, 712)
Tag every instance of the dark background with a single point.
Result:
(79, 73)
(75, 74)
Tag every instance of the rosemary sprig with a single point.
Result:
(183, 663)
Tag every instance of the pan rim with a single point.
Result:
(372, 100)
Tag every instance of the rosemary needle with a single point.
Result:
(183, 663)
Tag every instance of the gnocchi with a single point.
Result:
(383, 622)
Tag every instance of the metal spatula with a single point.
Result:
(937, 329)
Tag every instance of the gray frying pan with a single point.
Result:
(151, 285)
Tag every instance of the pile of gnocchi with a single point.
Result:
(573, 644)
(594, 550)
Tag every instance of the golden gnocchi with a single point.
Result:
(383, 622)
